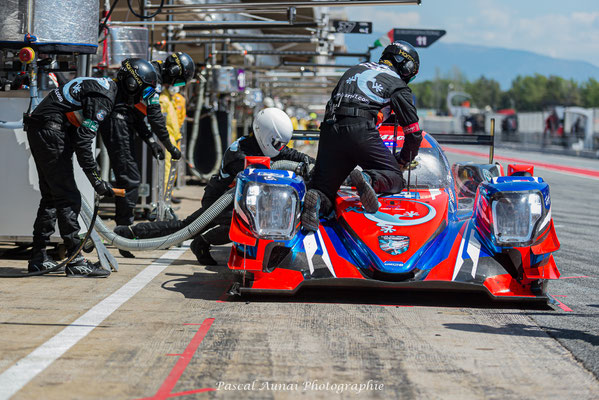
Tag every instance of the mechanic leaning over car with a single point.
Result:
(118, 133)
(348, 135)
(272, 130)
(65, 121)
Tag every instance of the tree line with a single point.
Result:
(527, 93)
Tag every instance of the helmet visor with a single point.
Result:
(148, 92)
(277, 144)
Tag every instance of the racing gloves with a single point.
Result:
(157, 150)
(409, 151)
(101, 187)
(175, 152)
(305, 167)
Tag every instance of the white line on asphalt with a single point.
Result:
(16, 377)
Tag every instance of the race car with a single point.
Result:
(465, 227)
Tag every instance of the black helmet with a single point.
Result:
(137, 78)
(178, 69)
(403, 58)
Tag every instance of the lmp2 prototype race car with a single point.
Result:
(465, 227)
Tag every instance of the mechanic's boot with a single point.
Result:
(79, 267)
(41, 261)
(311, 212)
(367, 194)
(201, 249)
(125, 231)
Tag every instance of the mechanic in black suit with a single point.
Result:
(348, 136)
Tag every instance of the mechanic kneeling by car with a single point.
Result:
(349, 138)
(272, 130)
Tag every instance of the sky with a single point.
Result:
(556, 28)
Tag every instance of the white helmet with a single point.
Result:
(268, 102)
(273, 130)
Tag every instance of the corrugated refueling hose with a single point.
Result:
(164, 242)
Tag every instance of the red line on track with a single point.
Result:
(169, 383)
(562, 305)
(553, 167)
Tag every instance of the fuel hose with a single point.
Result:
(188, 232)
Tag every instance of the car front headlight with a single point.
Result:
(515, 218)
(512, 211)
(272, 210)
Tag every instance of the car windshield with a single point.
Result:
(432, 171)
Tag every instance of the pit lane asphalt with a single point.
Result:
(180, 336)
(575, 210)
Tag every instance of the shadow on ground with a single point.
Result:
(532, 330)
(215, 283)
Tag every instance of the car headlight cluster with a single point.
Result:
(515, 217)
(512, 213)
(271, 210)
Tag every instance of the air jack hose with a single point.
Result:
(164, 242)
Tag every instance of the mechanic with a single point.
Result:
(118, 134)
(173, 102)
(169, 110)
(65, 121)
(272, 130)
(348, 136)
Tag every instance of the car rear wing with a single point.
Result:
(441, 138)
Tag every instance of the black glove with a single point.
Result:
(308, 160)
(101, 187)
(104, 189)
(175, 152)
(409, 151)
(302, 170)
(157, 150)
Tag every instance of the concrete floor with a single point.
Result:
(163, 327)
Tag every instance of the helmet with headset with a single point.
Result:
(177, 69)
(137, 79)
(403, 58)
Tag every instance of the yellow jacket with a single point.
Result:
(180, 104)
(167, 105)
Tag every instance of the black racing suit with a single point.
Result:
(65, 121)
(118, 135)
(217, 232)
(348, 136)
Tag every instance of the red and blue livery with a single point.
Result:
(462, 227)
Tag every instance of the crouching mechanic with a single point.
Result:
(118, 133)
(66, 121)
(272, 130)
(348, 136)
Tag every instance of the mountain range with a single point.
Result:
(475, 61)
